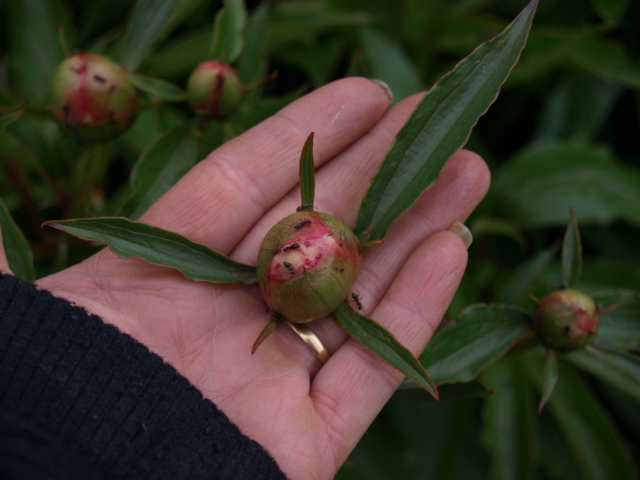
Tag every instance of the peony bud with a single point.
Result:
(214, 89)
(307, 265)
(92, 97)
(567, 320)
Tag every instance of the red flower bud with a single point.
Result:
(307, 265)
(92, 97)
(567, 320)
(214, 89)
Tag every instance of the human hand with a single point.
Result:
(308, 416)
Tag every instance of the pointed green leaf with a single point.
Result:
(625, 362)
(160, 166)
(307, 175)
(610, 10)
(555, 176)
(508, 421)
(16, 246)
(389, 62)
(550, 377)
(31, 29)
(409, 391)
(149, 20)
(482, 335)
(383, 344)
(291, 22)
(619, 326)
(228, 31)
(440, 125)
(589, 431)
(268, 330)
(608, 60)
(523, 280)
(319, 61)
(179, 55)
(252, 64)
(604, 372)
(159, 88)
(571, 253)
(161, 247)
(9, 116)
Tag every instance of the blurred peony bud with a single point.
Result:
(92, 97)
(307, 265)
(567, 320)
(214, 89)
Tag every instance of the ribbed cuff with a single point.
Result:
(99, 393)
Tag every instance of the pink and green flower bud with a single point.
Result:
(93, 98)
(567, 320)
(214, 89)
(307, 265)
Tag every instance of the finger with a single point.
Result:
(341, 184)
(463, 183)
(351, 389)
(223, 196)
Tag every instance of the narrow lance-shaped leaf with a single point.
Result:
(383, 344)
(482, 335)
(412, 392)
(149, 19)
(587, 428)
(571, 253)
(228, 31)
(16, 246)
(440, 125)
(161, 247)
(9, 116)
(603, 371)
(252, 64)
(546, 173)
(159, 167)
(509, 421)
(619, 327)
(166, 91)
(625, 362)
(31, 32)
(307, 175)
(523, 280)
(550, 377)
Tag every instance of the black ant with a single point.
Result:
(293, 246)
(356, 299)
(301, 224)
(289, 268)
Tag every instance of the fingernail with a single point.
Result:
(385, 88)
(461, 230)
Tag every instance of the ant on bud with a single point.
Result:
(356, 299)
(301, 224)
(289, 268)
(293, 246)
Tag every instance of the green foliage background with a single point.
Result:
(564, 133)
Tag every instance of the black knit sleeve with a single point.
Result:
(80, 399)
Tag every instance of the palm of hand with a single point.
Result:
(309, 418)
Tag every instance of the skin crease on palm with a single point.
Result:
(309, 417)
